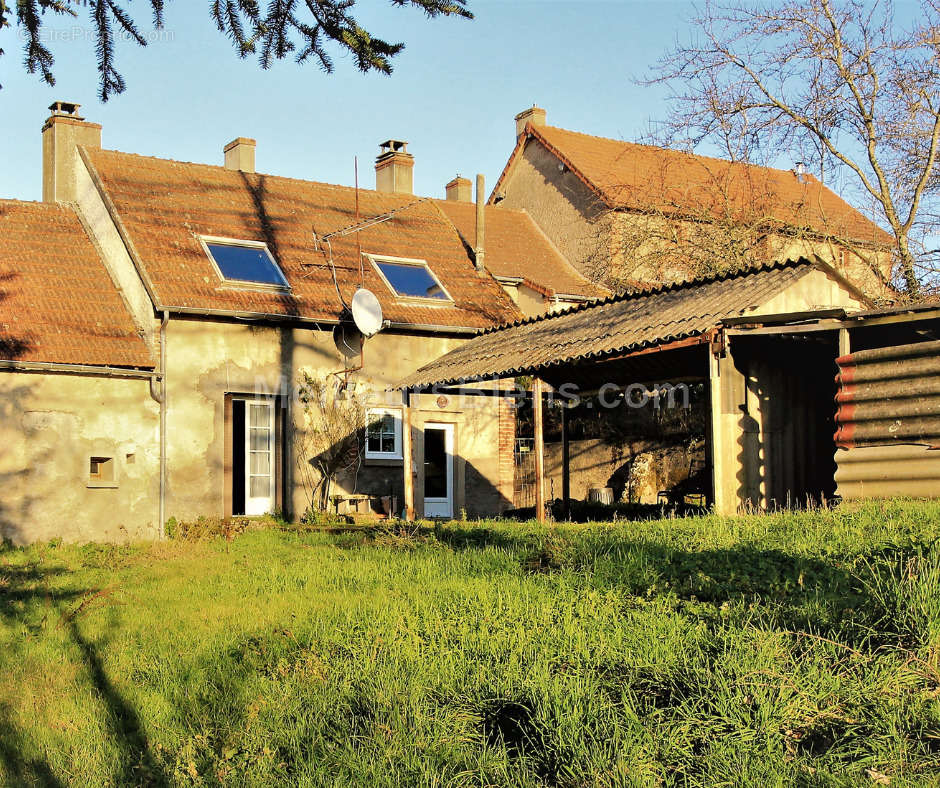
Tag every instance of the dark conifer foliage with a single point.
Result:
(304, 29)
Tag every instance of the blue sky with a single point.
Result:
(453, 94)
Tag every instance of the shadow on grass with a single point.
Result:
(21, 769)
(26, 601)
(28, 598)
(586, 512)
(513, 725)
(884, 596)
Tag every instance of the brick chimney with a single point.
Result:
(394, 168)
(62, 133)
(240, 154)
(479, 249)
(459, 190)
(534, 115)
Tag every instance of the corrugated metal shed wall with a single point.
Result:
(888, 422)
(790, 463)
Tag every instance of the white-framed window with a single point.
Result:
(383, 434)
(252, 452)
(410, 279)
(248, 264)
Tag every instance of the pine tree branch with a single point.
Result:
(280, 29)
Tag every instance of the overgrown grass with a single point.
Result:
(779, 650)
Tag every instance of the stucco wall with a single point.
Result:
(592, 240)
(852, 266)
(476, 438)
(814, 291)
(532, 303)
(207, 360)
(50, 427)
(560, 204)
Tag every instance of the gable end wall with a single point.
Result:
(566, 210)
(110, 245)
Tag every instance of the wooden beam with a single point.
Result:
(785, 317)
(539, 449)
(565, 464)
(902, 317)
(407, 464)
(802, 328)
(452, 391)
(678, 344)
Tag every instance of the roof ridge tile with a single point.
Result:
(223, 168)
(681, 152)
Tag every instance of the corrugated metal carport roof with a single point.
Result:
(618, 324)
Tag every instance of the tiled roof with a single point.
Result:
(516, 247)
(57, 302)
(615, 325)
(627, 175)
(165, 205)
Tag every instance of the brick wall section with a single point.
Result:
(507, 442)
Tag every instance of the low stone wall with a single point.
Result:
(636, 470)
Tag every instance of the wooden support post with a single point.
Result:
(845, 346)
(565, 463)
(713, 435)
(539, 449)
(730, 469)
(407, 464)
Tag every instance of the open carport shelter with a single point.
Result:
(763, 341)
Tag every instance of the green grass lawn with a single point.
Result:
(779, 650)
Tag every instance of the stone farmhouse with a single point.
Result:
(638, 215)
(156, 317)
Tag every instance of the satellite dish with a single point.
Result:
(348, 339)
(366, 312)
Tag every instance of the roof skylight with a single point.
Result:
(410, 278)
(245, 262)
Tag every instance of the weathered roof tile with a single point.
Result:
(166, 205)
(630, 176)
(516, 247)
(57, 302)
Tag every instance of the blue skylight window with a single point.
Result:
(411, 279)
(245, 261)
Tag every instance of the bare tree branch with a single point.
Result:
(328, 444)
(707, 216)
(840, 82)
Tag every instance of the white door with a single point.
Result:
(438, 470)
(259, 457)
